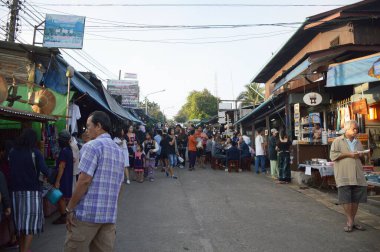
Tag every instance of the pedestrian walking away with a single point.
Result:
(273, 153)
(346, 152)
(64, 180)
(192, 149)
(122, 143)
(97, 190)
(260, 152)
(283, 147)
(26, 162)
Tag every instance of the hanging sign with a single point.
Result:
(312, 99)
(360, 107)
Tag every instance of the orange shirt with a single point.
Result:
(192, 143)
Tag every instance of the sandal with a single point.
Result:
(348, 229)
(358, 227)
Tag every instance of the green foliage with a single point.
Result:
(199, 105)
(153, 110)
(250, 96)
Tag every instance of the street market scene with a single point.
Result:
(189, 125)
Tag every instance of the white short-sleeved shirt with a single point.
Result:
(258, 144)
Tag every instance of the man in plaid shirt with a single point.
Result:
(92, 210)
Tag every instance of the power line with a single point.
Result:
(184, 5)
(184, 42)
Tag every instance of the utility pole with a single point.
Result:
(13, 25)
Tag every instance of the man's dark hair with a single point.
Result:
(192, 132)
(99, 117)
(233, 143)
(159, 132)
(27, 139)
(259, 130)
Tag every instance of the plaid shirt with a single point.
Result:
(103, 160)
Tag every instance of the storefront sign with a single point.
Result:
(130, 76)
(360, 107)
(312, 99)
(64, 31)
(129, 93)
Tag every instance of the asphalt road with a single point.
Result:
(207, 210)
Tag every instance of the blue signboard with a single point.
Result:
(63, 31)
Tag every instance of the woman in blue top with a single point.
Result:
(64, 181)
(26, 162)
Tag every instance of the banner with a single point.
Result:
(64, 31)
(360, 107)
(129, 93)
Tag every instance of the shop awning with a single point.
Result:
(353, 72)
(313, 60)
(105, 100)
(292, 74)
(16, 114)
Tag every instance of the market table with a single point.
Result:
(326, 172)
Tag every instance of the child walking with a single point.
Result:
(139, 164)
(150, 147)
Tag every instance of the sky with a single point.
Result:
(178, 60)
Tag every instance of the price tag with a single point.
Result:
(308, 170)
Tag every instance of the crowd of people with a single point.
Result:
(101, 160)
(90, 172)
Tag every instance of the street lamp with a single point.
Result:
(146, 100)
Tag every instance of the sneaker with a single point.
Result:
(226, 170)
(167, 174)
(128, 182)
(181, 166)
(151, 180)
(174, 177)
(60, 220)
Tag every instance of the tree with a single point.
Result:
(251, 95)
(153, 110)
(199, 105)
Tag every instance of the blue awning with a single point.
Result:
(105, 100)
(352, 72)
(294, 73)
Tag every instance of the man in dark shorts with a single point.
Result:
(347, 152)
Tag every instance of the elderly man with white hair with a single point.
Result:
(347, 154)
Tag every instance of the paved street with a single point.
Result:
(207, 210)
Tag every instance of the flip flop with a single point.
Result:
(347, 229)
(358, 227)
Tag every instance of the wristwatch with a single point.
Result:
(68, 211)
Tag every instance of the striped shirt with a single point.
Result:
(103, 160)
